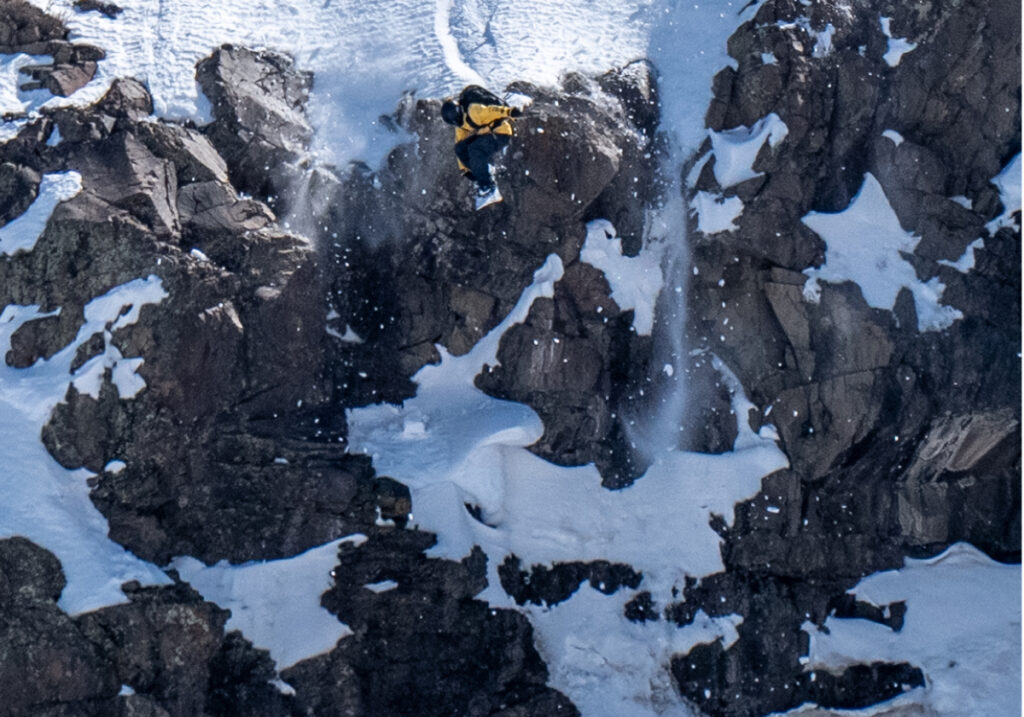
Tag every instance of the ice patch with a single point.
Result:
(962, 628)
(275, 603)
(635, 281)
(716, 213)
(865, 243)
(897, 47)
(736, 149)
(22, 233)
(44, 502)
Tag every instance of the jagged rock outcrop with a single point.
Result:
(26, 28)
(872, 412)
(235, 448)
(259, 121)
(549, 586)
(900, 441)
(414, 266)
(244, 315)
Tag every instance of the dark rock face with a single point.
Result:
(450, 654)
(244, 315)
(26, 28)
(550, 586)
(901, 442)
(235, 449)
(167, 644)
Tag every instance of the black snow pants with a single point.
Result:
(476, 152)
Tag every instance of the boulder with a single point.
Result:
(19, 187)
(44, 658)
(259, 122)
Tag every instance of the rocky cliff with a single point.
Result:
(295, 291)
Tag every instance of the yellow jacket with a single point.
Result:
(482, 119)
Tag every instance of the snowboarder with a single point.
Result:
(482, 129)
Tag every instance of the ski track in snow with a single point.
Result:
(451, 444)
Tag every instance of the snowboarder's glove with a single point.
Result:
(515, 113)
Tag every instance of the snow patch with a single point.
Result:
(966, 262)
(635, 281)
(114, 467)
(897, 46)
(962, 628)
(716, 213)
(275, 603)
(736, 149)
(471, 449)
(608, 665)
(381, 587)
(13, 100)
(22, 233)
(865, 243)
(1008, 183)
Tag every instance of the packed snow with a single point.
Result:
(276, 603)
(14, 101)
(962, 628)
(966, 261)
(22, 233)
(865, 243)
(468, 448)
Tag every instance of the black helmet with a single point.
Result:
(451, 113)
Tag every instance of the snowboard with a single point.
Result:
(486, 200)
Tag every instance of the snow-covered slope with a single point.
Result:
(451, 444)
